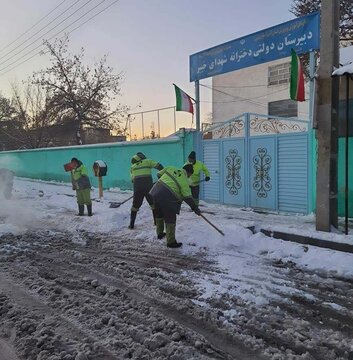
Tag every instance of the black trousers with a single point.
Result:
(139, 195)
(162, 212)
(195, 191)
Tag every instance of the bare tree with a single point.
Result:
(11, 132)
(6, 108)
(303, 7)
(82, 93)
(34, 112)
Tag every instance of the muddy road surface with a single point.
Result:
(99, 296)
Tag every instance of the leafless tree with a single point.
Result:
(35, 113)
(82, 93)
(6, 108)
(303, 7)
(9, 127)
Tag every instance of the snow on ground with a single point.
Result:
(49, 205)
(122, 293)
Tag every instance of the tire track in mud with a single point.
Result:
(311, 303)
(145, 288)
(32, 304)
(270, 339)
(223, 343)
(217, 341)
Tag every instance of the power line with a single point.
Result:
(261, 104)
(54, 36)
(240, 87)
(38, 22)
(40, 46)
(22, 43)
(245, 99)
(41, 36)
(240, 98)
(107, 7)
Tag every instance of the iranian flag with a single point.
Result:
(297, 91)
(183, 101)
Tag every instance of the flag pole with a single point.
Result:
(159, 127)
(197, 104)
(174, 118)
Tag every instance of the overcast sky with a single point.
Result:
(148, 40)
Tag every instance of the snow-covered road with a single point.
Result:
(89, 288)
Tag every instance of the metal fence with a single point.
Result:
(157, 123)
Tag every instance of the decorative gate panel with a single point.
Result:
(262, 181)
(234, 183)
(258, 161)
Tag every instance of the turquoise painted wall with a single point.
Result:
(312, 170)
(47, 163)
(341, 174)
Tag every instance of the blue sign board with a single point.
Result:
(301, 34)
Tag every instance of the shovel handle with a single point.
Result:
(214, 226)
(126, 200)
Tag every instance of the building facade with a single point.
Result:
(261, 89)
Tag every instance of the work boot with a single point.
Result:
(160, 228)
(132, 219)
(175, 245)
(170, 232)
(89, 210)
(81, 210)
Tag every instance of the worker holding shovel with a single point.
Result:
(168, 193)
(82, 185)
(141, 176)
(198, 166)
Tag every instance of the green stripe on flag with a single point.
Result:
(294, 76)
(178, 98)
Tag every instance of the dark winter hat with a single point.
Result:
(141, 155)
(192, 155)
(138, 157)
(188, 168)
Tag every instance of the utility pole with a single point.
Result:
(197, 105)
(327, 118)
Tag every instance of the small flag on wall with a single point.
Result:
(297, 91)
(183, 101)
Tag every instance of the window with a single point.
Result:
(285, 108)
(279, 74)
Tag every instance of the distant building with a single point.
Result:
(14, 137)
(261, 89)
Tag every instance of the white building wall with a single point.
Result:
(247, 90)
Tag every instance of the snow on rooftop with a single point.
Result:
(343, 70)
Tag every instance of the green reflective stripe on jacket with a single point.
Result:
(176, 180)
(78, 172)
(199, 166)
(142, 168)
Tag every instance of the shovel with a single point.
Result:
(117, 204)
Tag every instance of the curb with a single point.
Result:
(309, 241)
